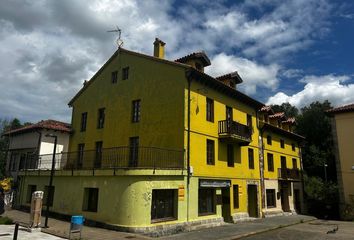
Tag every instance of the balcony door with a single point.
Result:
(283, 162)
(229, 116)
(133, 151)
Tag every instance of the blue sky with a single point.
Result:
(295, 51)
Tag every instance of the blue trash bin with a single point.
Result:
(76, 223)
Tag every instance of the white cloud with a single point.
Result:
(254, 74)
(319, 88)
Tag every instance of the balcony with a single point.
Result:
(110, 158)
(289, 174)
(235, 132)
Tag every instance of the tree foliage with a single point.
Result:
(287, 108)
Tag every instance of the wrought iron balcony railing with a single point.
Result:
(288, 174)
(235, 131)
(110, 158)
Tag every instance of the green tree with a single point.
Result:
(287, 108)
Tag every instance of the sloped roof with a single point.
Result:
(342, 109)
(44, 124)
(200, 55)
(232, 75)
(267, 109)
(277, 115)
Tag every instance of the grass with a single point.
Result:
(6, 221)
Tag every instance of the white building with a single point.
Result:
(26, 143)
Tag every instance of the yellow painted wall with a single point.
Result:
(123, 200)
(277, 152)
(160, 88)
(345, 137)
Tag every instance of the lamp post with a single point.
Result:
(51, 178)
(325, 171)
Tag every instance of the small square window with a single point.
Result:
(125, 73)
(269, 140)
(282, 143)
(90, 200)
(164, 205)
(114, 77)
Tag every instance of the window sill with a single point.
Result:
(271, 207)
(206, 214)
(167, 219)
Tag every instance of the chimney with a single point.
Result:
(159, 48)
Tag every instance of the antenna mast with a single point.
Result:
(119, 40)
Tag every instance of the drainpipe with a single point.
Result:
(189, 79)
(261, 161)
(302, 209)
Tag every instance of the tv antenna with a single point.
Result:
(119, 40)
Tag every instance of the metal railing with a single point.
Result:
(287, 173)
(111, 158)
(228, 127)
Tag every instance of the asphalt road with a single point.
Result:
(312, 230)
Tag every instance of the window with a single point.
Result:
(230, 155)
(283, 162)
(133, 151)
(22, 161)
(206, 201)
(100, 120)
(236, 197)
(250, 158)
(90, 200)
(210, 152)
(210, 110)
(293, 147)
(98, 155)
(83, 121)
(270, 162)
(269, 140)
(282, 144)
(48, 192)
(114, 77)
(125, 73)
(30, 189)
(249, 122)
(136, 111)
(80, 154)
(163, 205)
(229, 116)
(271, 203)
(12, 165)
(294, 163)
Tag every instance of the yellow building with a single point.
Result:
(160, 145)
(343, 137)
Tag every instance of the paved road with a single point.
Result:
(7, 231)
(315, 230)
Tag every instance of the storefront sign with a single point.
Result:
(181, 193)
(214, 183)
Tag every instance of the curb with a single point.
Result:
(269, 229)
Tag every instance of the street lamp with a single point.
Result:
(325, 170)
(51, 178)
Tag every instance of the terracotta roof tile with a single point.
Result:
(44, 124)
(266, 109)
(289, 120)
(202, 55)
(341, 109)
(232, 75)
(277, 115)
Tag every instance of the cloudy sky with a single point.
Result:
(286, 51)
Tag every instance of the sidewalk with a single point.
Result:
(61, 229)
(225, 232)
(240, 230)
(7, 233)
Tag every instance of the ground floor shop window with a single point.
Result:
(206, 201)
(90, 200)
(164, 205)
(271, 202)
